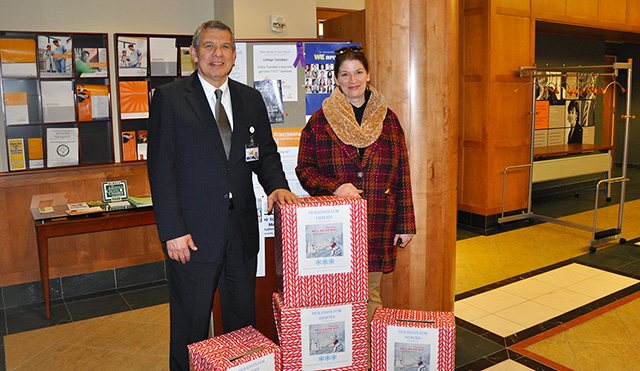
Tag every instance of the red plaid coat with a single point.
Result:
(325, 163)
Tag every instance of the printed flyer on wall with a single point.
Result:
(55, 50)
(239, 70)
(132, 56)
(62, 147)
(327, 337)
(93, 102)
(324, 237)
(275, 62)
(16, 154)
(412, 348)
(18, 57)
(319, 78)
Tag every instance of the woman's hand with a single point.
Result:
(348, 190)
(402, 240)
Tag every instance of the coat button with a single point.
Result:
(360, 174)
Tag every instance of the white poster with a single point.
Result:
(239, 70)
(163, 53)
(411, 348)
(57, 101)
(62, 147)
(16, 107)
(541, 138)
(324, 240)
(327, 337)
(275, 62)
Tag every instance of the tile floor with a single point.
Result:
(582, 307)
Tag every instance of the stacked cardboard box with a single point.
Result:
(243, 349)
(322, 268)
(409, 339)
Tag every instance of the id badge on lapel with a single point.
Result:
(251, 150)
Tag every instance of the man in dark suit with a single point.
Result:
(204, 146)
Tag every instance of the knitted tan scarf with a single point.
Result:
(342, 120)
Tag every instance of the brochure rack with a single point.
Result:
(598, 235)
(145, 61)
(56, 109)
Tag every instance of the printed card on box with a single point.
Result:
(331, 337)
(321, 251)
(325, 232)
(245, 349)
(326, 331)
(407, 339)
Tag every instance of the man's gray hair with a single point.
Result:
(218, 25)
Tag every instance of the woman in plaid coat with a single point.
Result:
(354, 146)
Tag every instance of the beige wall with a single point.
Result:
(341, 4)
(251, 18)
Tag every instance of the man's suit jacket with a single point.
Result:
(189, 174)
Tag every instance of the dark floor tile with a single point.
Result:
(602, 259)
(92, 306)
(146, 297)
(632, 268)
(134, 275)
(627, 250)
(29, 293)
(471, 347)
(463, 234)
(480, 364)
(83, 284)
(34, 316)
(3, 324)
(3, 366)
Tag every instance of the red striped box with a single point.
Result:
(321, 251)
(245, 349)
(402, 338)
(330, 337)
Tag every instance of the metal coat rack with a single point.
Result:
(598, 235)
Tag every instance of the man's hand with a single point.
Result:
(402, 240)
(281, 196)
(178, 248)
(348, 190)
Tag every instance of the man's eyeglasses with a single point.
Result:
(344, 49)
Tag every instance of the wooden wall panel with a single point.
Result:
(475, 112)
(633, 13)
(476, 36)
(549, 9)
(473, 179)
(349, 26)
(510, 40)
(69, 255)
(582, 9)
(512, 6)
(612, 11)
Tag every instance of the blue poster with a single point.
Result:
(319, 77)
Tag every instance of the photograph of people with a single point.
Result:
(48, 59)
(369, 159)
(124, 59)
(202, 189)
(134, 56)
(59, 53)
(573, 122)
(82, 64)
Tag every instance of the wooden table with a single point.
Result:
(58, 224)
